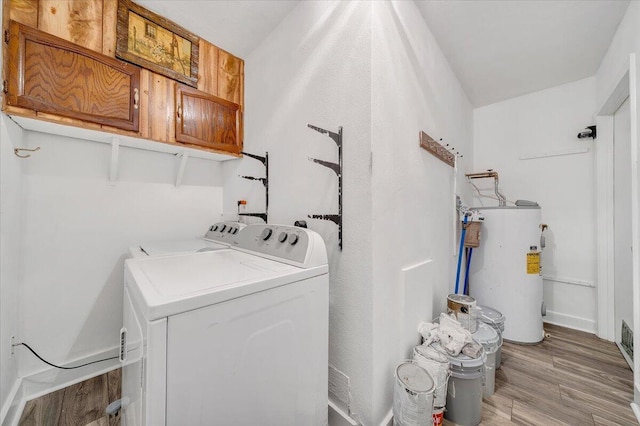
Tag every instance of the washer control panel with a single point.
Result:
(225, 232)
(278, 241)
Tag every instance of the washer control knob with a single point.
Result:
(293, 239)
(235, 230)
(214, 228)
(282, 237)
(223, 227)
(230, 230)
(266, 234)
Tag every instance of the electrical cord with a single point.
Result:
(58, 366)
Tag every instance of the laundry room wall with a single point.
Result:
(413, 89)
(531, 142)
(616, 61)
(77, 226)
(315, 68)
(320, 67)
(10, 220)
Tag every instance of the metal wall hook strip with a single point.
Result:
(17, 151)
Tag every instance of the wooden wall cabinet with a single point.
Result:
(208, 121)
(61, 68)
(51, 75)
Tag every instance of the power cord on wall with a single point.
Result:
(58, 366)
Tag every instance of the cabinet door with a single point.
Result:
(208, 121)
(52, 75)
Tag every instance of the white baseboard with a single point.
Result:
(625, 355)
(636, 410)
(570, 321)
(338, 417)
(11, 406)
(51, 379)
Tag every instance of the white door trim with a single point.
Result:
(635, 220)
(603, 150)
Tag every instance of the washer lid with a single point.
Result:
(164, 248)
(414, 378)
(169, 285)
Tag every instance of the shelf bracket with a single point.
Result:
(115, 155)
(265, 182)
(262, 216)
(183, 165)
(333, 166)
(337, 168)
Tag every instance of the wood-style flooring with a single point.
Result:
(82, 404)
(571, 378)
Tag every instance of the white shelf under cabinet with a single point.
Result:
(117, 140)
(123, 140)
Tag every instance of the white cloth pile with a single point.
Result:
(453, 338)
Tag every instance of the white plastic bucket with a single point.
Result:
(464, 391)
(491, 341)
(437, 365)
(463, 308)
(412, 396)
(495, 319)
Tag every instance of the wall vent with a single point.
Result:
(627, 339)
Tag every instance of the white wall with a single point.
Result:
(374, 68)
(616, 61)
(77, 227)
(413, 89)
(315, 68)
(10, 220)
(544, 125)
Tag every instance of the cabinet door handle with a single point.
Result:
(136, 98)
(179, 110)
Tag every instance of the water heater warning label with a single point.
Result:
(533, 263)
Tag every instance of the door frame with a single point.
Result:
(626, 87)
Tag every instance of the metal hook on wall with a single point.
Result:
(17, 151)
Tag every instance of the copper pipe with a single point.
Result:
(502, 201)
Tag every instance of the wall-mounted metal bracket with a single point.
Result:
(337, 168)
(265, 181)
(18, 152)
(262, 216)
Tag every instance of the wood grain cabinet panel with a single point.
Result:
(230, 77)
(51, 75)
(77, 21)
(208, 121)
(23, 11)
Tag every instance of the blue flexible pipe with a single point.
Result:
(464, 231)
(466, 278)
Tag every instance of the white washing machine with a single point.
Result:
(236, 336)
(218, 236)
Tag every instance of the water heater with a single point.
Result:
(505, 271)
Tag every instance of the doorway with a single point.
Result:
(622, 242)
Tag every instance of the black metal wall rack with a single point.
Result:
(265, 181)
(337, 168)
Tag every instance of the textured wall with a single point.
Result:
(523, 139)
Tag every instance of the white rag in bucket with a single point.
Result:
(449, 332)
(451, 335)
